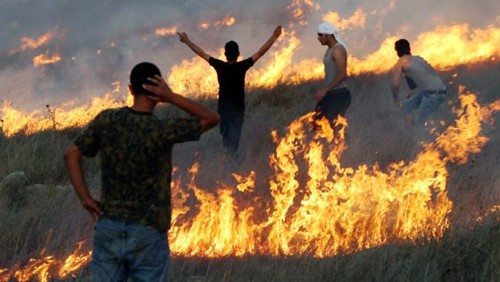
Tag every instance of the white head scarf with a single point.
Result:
(328, 28)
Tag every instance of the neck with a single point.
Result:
(330, 43)
(143, 104)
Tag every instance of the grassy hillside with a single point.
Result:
(40, 215)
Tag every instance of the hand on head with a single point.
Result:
(160, 89)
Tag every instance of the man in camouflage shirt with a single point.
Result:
(135, 149)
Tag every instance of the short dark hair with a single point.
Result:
(402, 47)
(232, 51)
(139, 76)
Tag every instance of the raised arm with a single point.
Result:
(267, 45)
(209, 118)
(184, 39)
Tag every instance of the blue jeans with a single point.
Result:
(125, 250)
(426, 102)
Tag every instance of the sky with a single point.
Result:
(98, 42)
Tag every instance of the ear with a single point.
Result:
(131, 90)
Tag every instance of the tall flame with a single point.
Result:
(445, 47)
(458, 44)
(336, 209)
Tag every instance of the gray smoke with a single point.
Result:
(123, 31)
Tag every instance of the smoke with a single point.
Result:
(99, 41)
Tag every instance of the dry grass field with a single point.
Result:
(40, 216)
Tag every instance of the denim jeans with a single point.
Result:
(426, 102)
(129, 251)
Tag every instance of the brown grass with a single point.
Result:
(50, 220)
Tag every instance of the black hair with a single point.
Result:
(402, 47)
(139, 76)
(232, 51)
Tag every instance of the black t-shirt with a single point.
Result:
(231, 79)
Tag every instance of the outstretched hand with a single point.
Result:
(160, 89)
(277, 31)
(183, 37)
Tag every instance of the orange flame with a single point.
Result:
(228, 21)
(445, 48)
(357, 20)
(59, 118)
(245, 183)
(336, 209)
(74, 261)
(46, 267)
(30, 43)
(166, 31)
(299, 9)
(45, 59)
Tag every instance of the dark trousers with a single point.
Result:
(335, 103)
(230, 127)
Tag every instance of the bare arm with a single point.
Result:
(396, 76)
(184, 39)
(267, 45)
(339, 56)
(209, 118)
(73, 160)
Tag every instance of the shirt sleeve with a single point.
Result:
(182, 129)
(247, 63)
(88, 140)
(216, 63)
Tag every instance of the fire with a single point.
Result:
(64, 116)
(74, 261)
(46, 58)
(48, 267)
(190, 76)
(299, 9)
(34, 43)
(449, 46)
(245, 183)
(228, 21)
(336, 209)
(341, 209)
(166, 31)
(445, 47)
(357, 20)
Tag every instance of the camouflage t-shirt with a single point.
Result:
(136, 162)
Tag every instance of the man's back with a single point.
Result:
(422, 73)
(231, 78)
(135, 151)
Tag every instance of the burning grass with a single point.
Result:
(381, 204)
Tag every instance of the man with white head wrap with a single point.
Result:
(334, 97)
